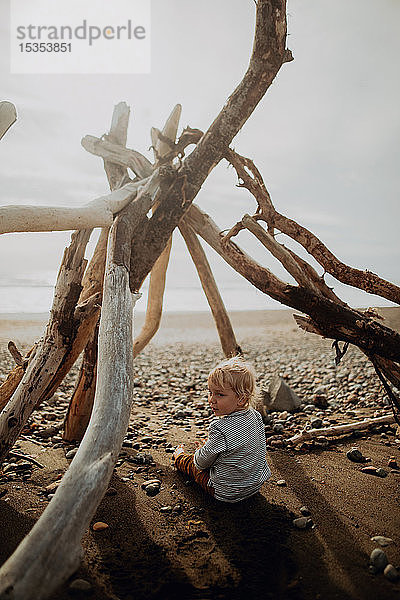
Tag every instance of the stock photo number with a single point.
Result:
(45, 47)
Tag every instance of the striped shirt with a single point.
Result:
(235, 453)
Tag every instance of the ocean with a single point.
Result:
(37, 298)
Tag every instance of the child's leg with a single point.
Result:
(184, 462)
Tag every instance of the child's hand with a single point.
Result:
(179, 450)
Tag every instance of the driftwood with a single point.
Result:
(250, 178)
(81, 404)
(339, 429)
(221, 318)
(158, 273)
(8, 116)
(52, 550)
(97, 213)
(67, 333)
(331, 319)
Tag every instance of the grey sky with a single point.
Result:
(325, 136)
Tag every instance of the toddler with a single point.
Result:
(231, 465)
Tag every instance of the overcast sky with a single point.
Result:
(325, 136)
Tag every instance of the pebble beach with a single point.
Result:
(321, 506)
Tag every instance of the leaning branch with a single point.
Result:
(269, 53)
(8, 116)
(250, 178)
(331, 319)
(52, 550)
(97, 213)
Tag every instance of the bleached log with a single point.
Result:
(8, 116)
(226, 334)
(81, 404)
(159, 271)
(340, 429)
(117, 176)
(67, 334)
(97, 213)
(52, 551)
(117, 154)
(51, 349)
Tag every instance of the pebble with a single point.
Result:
(80, 585)
(378, 560)
(281, 482)
(305, 511)
(316, 423)
(382, 541)
(381, 472)
(391, 573)
(303, 522)
(100, 526)
(71, 453)
(152, 490)
(151, 482)
(355, 455)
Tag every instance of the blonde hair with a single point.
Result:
(237, 374)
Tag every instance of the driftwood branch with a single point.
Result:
(8, 116)
(339, 429)
(365, 280)
(52, 550)
(51, 350)
(226, 334)
(331, 319)
(269, 53)
(80, 407)
(97, 213)
(158, 273)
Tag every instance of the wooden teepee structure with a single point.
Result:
(93, 303)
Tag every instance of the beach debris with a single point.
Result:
(280, 396)
(80, 585)
(391, 573)
(303, 522)
(382, 540)
(71, 453)
(100, 526)
(151, 487)
(355, 455)
(52, 487)
(378, 471)
(143, 458)
(320, 400)
(305, 511)
(340, 429)
(378, 560)
(26, 457)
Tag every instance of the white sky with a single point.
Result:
(325, 137)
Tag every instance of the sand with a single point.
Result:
(203, 549)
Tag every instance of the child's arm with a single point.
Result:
(206, 456)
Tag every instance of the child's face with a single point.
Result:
(224, 401)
